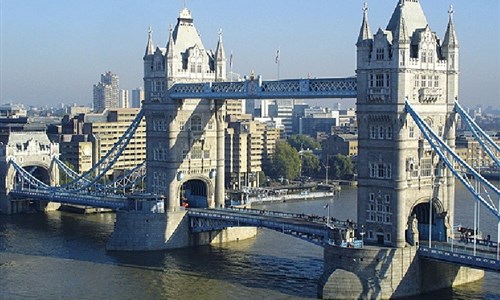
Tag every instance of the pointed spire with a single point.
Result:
(400, 34)
(365, 32)
(170, 43)
(450, 37)
(150, 48)
(220, 54)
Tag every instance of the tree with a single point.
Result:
(284, 162)
(341, 166)
(310, 164)
(303, 142)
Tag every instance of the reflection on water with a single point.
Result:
(61, 255)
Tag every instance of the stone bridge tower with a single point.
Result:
(185, 139)
(32, 150)
(399, 174)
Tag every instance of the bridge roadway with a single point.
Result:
(313, 229)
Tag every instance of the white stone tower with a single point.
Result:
(185, 139)
(398, 171)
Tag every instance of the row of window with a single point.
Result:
(195, 124)
(159, 184)
(379, 80)
(427, 81)
(380, 170)
(427, 56)
(381, 132)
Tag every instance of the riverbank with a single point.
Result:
(289, 198)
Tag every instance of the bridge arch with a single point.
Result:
(196, 192)
(421, 209)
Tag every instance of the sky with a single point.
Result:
(54, 51)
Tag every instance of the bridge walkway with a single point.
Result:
(310, 228)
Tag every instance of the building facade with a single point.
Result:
(398, 173)
(86, 138)
(106, 92)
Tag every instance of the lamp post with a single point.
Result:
(362, 233)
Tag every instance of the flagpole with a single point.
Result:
(278, 61)
(231, 66)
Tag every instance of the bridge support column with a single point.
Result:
(386, 273)
(219, 181)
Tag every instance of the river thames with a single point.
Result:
(60, 255)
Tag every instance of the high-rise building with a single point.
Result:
(124, 99)
(137, 97)
(106, 92)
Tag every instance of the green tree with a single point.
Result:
(341, 166)
(284, 162)
(310, 164)
(303, 142)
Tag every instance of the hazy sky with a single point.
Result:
(53, 51)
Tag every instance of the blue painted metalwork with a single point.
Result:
(86, 180)
(297, 225)
(442, 149)
(463, 259)
(255, 88)
(484, 140)
(100, 201)
(32, 181)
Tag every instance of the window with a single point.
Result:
(389, 132)
(411, 132)
(423, 56)
(372, 197)
(206, 154)
(373, 132)
(193, 67)
(430, 57)
(371, 80)
(210, 124)
(387, 199)
(196, 152)
(426, 167)
(423, 81)
(380, 53)
(380, 170)
(436, 81)
(417, 80)
(196, 123)
(379, 80)
(381, 133)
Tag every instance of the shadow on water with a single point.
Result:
(83, 238)
(296, 276)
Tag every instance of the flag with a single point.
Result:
(278, 56)
(231, 60)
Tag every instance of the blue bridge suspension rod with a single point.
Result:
(433, 138)
(484, 139)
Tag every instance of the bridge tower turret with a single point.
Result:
(399, 174)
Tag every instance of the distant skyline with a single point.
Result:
(55, 51)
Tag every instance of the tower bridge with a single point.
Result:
(406, 84)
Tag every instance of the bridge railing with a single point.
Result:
(461, 258)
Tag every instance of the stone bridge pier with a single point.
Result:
(34, 152)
